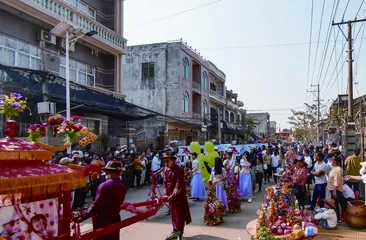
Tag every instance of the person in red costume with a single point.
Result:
(174, 188)
(110, 196)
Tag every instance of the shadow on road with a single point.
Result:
(204, 237)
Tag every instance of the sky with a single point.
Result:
(262, 46)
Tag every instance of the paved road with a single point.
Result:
(159, 226)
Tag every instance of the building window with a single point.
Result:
(19, 54)
(94, 125)
(204, 81)
(185, 102)
(232, 118)
(148, 71)
(79, 72)
(204, 108)
(226, 116)
(85, 8)
(186, 69)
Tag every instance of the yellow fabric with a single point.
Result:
(196, 147)
(211, 154)
(138, 165)
(353, 166)
(51, 148)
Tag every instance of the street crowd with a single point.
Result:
(335, 180)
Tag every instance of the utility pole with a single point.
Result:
(318, 100)
(351, 131)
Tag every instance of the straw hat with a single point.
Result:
(167, 157)
(113, 166)
(66, 160)
(330, 202)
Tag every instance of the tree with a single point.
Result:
(250, 124)
(304, 122)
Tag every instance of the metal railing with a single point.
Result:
(196, 116)
(67, 12)
(214, 94)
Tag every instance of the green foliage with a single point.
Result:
(264, 233)
(304, 122)
(104, 139)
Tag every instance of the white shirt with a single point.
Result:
(308, 161)
(178, 161)
(275, 160)
(196, 165)
(156, 164)
(347, 192)
(321, 167)
(330, 215)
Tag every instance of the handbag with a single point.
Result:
(265, 167)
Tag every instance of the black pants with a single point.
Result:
(79, 198)
(138, 177)
(300, 192)
(267, 173)
(274, 169)
(148, 170)
(339, 200)
(259, 179)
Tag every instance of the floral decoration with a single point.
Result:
(12, 105)
(56, 122)
(71, 128)
(36, 131)
(233, 194)
(214, 209)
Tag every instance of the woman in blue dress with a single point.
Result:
(197, 185)
(218, 177)
(245, 182)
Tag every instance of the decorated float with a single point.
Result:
(280, 216)
(35, 195)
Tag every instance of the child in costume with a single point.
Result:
(10, 222)
(245, 184)
(327, 217)
(218, 177)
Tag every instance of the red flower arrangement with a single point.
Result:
(71, 128)
(36, 131)
(233, 194)
(56, 121)
(214, 209)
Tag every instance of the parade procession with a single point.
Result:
(194, 119)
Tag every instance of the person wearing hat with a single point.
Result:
(174, 188)
(299, 179)
(327, 217)
(106, 207)
(10, 222)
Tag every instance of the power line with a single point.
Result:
(345, 59)
(345, 10)
(182, 12)
(325, 49)
(359, 9)
(268, 110)
(317, 45)
(311, 31)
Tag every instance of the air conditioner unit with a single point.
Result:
(46, 108)
(63, 45)
(47, 37)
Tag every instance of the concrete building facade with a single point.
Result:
(173, 80)
(95, 61)
(272, 128)
(262, 128)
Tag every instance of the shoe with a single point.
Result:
(172, 236)
(249, 200)
(196, 199)
(167, 213)
(180, 236)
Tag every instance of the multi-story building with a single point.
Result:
(262, 121)
(176, 82)
(26, 44)
(272, 128)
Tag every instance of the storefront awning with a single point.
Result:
(29, 82)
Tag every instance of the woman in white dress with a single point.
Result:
(197, 185)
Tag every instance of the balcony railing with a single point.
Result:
(64, 11)
(214, 95)
(220, 74)
(196, 86)
(222, 99)
(196, 116)
(232, 105)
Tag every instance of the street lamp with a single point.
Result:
(71, 35)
